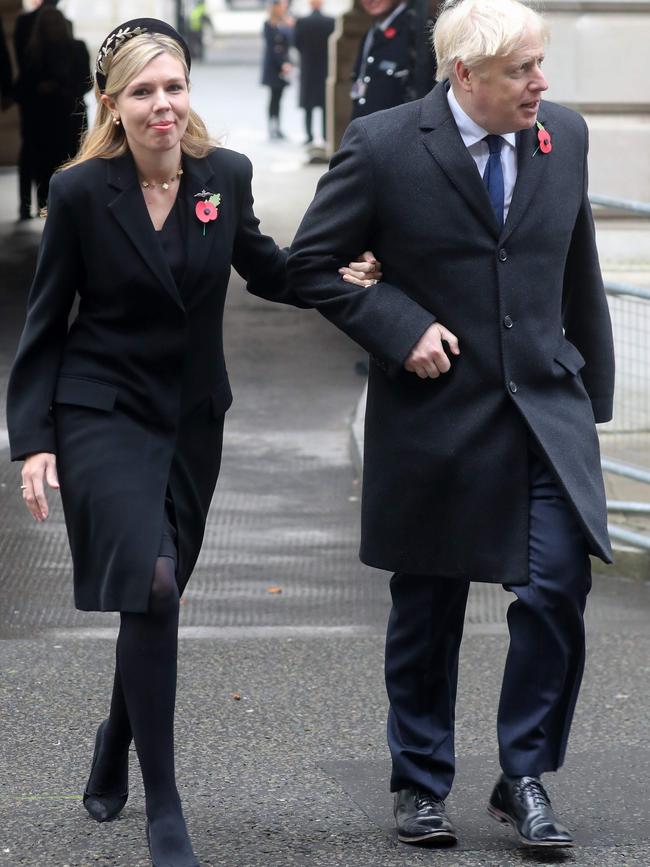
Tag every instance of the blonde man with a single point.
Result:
(492, 358)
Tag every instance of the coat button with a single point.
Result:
(366, 79)
(370, 60)
(362, 101)
(389, 72)
(512, 385)
(507, 321)
(502, 255)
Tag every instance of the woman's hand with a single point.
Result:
(364, 271)
(38, 469)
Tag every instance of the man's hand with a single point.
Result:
(38, 469)
(364, 271)
(428, 358)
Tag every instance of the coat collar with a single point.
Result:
(443, 141)
(129, 209)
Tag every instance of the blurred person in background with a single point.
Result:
(311, 35)
(276, 66)
(198, 21)
(6, 87)
(395, 63)
(124, 408)
(54, 75)
(23, 30)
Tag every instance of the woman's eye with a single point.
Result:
(141, 91)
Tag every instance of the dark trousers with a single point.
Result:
(274, 101)
(309, 113)
(543, 668)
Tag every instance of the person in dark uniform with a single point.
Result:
(276, 66)
(310, 36)
(394, 64)
(124, 408)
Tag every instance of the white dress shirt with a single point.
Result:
(473, 134)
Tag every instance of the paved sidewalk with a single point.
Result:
(281, 708)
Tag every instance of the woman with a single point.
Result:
(125, 408)
(53, 80)
(276, 67)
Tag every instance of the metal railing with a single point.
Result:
(630, 308)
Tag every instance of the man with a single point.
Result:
(310, 36)
(492, 357)
(394, 64)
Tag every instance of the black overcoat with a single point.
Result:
(131, 397)
(310, 36)
(277, 41)
(445, 486)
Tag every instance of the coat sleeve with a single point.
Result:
(256, 257)
(586, 316)
(338, 224)
(33, 377)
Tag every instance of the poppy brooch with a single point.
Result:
(207, 209)
(544, 138)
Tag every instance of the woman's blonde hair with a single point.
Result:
(105, 139)
(475, 30)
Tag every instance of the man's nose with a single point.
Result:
(539, 81)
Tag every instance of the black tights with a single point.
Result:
(142, 706)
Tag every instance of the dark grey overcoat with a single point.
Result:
(310, 36)
(132, 397)
(445, 487)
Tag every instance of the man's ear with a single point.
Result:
(464, 75)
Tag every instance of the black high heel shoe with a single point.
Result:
(104, 807)
(192, 862)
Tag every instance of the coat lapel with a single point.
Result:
(129, 209)
(198, 178)
(530, 170)
(443, 141)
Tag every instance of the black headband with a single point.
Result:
(116, 39)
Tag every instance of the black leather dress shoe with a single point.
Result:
(105, 806)
(523, 802)
(421, 818)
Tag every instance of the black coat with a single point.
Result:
(5, 66)
(445, 486)
(397, 68)
(310, 36)
(132, 397)
(276, 52)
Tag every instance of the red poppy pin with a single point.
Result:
(390, 33)
(544, 138)
(207, 209)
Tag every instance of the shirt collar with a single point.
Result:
(469, 130)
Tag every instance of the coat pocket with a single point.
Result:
(85, 392)
(569, 357)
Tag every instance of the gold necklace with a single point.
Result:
(150, 185)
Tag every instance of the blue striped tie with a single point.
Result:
(493, 175)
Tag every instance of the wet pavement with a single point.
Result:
(282, 757)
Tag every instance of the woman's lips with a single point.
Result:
(163, 125)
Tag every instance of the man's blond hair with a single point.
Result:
(475, 30)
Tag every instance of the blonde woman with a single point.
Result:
(124, 410)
